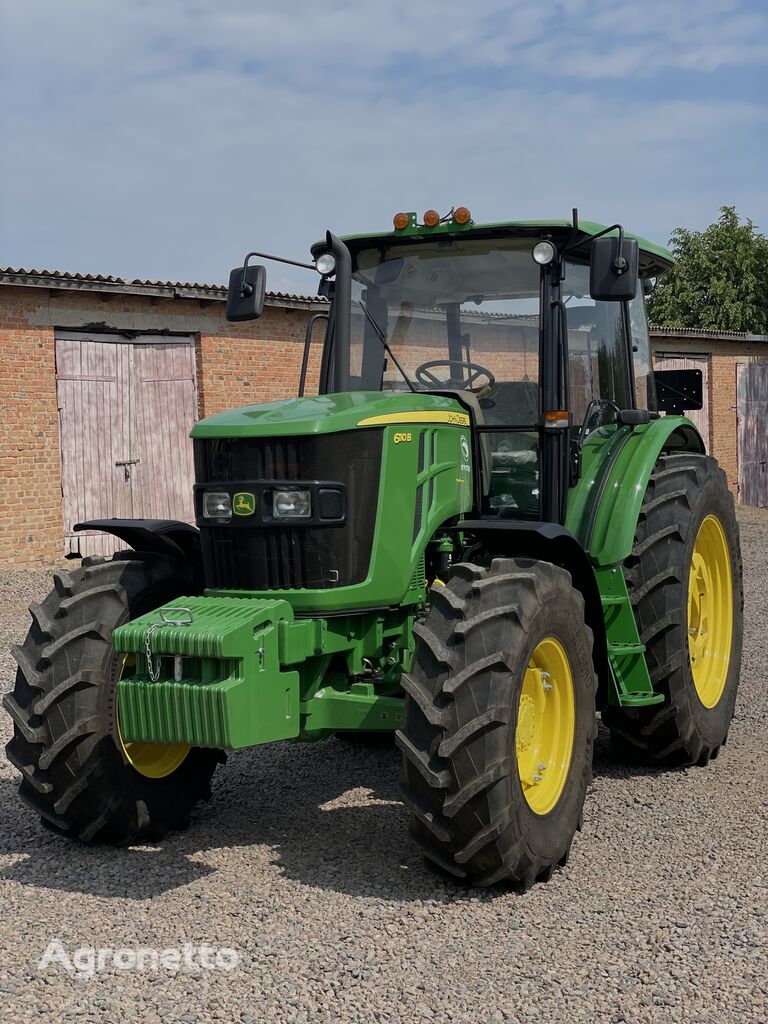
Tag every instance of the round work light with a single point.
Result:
(544, 253)
(325, 264)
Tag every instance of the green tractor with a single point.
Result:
(480, 531)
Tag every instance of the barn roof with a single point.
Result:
(63, 280)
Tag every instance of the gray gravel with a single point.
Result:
(302, 865)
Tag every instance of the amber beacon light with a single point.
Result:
(400, 220)
(431, 219)
(462, 215)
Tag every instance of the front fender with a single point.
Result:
(159, 536)
(604, 506)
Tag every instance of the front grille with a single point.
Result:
(242, 557)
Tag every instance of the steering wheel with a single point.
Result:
(425, 376)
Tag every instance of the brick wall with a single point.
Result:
(31, 527)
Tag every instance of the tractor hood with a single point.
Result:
(327, 414)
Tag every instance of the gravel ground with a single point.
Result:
(302, 865)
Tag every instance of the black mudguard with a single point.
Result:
(180, 541)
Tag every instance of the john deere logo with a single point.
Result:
(244, 503)
(464, 448)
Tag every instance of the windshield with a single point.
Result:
(453, 313)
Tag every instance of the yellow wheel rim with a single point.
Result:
(152, 760)
(710, 612)
(545, 726)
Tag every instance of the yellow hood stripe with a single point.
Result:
(456, 419)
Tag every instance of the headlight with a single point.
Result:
(217, 505)
(291, 504)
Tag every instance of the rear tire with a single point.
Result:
(75, 774)
(683, 492)
(469, 809)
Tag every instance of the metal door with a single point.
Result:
(752, 414)
(126, 407)
(675, 361)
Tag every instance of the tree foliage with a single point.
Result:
(719, 281)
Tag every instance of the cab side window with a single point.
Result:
(597, 353)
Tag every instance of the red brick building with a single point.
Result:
(101, 379)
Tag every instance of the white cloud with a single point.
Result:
(163, 139)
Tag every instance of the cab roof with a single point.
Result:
(654, 259)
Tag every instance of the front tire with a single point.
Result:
(684, 578)
(499, 722)
(76, 772)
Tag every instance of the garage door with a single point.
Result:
(752, 413)
(675, 361)
(126, 407)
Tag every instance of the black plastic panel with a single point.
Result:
(282, 557)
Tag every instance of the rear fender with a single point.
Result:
(604, 506)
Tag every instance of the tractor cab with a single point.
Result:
(537, 328)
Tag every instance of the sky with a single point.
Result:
(165, 138)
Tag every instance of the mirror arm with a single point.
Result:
(614, 227)
(247, 289)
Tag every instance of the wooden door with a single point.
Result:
(126, 407)
(752, 415)
(675, 361)
(163, 411)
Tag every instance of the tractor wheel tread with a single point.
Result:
(472, 730)
(455, 682)
(434, 715)
(484, 781)
(25, 764)
(439, 778)
(80, 729)
(28, 666)
(87, 677)
(428, 818)
(37, 734)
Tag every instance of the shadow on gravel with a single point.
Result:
(329, 815)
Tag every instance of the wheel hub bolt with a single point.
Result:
(536, 777)
(545, 682)
(541, 766)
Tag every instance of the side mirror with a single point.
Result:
(613, 268)
(678, 390)
(245, 297)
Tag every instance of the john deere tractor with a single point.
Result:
(490, 521)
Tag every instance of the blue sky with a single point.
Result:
(163, 138)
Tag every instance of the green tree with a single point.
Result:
(719, 281)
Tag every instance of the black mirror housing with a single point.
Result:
(613, 268)
(678, 391)
(247, 289)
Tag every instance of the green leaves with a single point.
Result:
(720, 279)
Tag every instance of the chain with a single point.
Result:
(168, 617)
(153, 667)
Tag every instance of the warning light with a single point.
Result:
(431, 219)
(401, 220)
(462, 215)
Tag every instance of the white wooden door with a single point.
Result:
(675, 361)
(126, 407)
